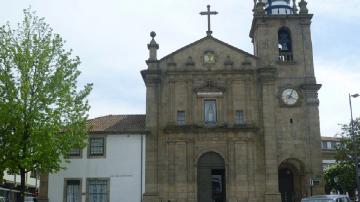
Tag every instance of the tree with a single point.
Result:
(340, 176)
(42, 112)
(345, 151)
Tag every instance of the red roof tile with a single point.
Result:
(118, 124)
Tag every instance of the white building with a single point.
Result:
(328, 147)
(111, 166)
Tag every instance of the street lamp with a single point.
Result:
(355, 147)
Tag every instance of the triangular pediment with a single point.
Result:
(193, 56)
(210, 86)
(209, 89)
(208, 38)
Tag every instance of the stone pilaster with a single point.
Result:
(251, 172)
(152, 81)
(267, 78)
(261, 40)
(307, 52)
(241, 160)
(313, 138)
(231, 173)
(181, 171)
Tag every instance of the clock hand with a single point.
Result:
(291, 95)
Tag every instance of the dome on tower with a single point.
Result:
(279, 7)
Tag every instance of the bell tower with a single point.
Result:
(281, 37)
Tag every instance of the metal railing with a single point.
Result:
(286, 56)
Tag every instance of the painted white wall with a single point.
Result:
(331, 161)
(122, 165)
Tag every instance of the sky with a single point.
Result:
(111, 37)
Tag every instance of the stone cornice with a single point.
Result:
(194, 72)
(310, 92)
(209, 129)
(267, 74)
(210, 86)
(151, 76)
(311, 87)
(263, 18)
(151, 61)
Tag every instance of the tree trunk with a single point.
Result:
(22, 185)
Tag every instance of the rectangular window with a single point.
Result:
(180, 118)
(96, 146)
(72, 191)
(239, 117)
(333, 145)
(210, 111)
(328, 145)
(97, 190)
(323, 144)
(75, 152)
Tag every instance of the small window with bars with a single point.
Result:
(98, 190)
(180, 118)
(72, 191)
(74, 152)
(96, 146)
(239, 117)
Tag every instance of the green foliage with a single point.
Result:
(345, 151)
(43, 114)
(341, 176)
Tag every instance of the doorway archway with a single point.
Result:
(286, 185)
(211, 185)
(291, 179)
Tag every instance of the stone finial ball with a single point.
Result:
(152, 34)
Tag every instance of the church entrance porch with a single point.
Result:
(211, 185)
(291, 180)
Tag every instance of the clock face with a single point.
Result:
(289, 96)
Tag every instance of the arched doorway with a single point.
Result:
(286, 184)
(291, 174)
(211, 178)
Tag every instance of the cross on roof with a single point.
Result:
(208, 13)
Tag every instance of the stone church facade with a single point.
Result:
(227, 125)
